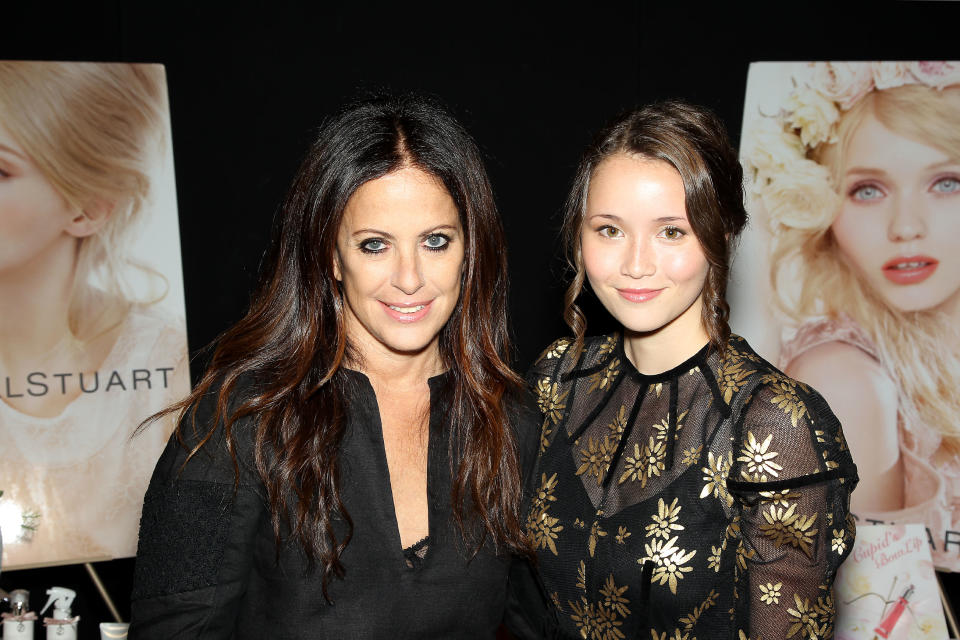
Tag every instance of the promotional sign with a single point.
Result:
(887, 587)
(92, 333)
(849, 275)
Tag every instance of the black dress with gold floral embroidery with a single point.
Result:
(709, 501)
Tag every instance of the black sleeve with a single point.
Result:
(197, 534)
(793, 476)
(529, 614)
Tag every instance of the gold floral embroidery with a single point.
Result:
(657, 388)
(665, 520)
(643, 465)
(622, 535)
(582, 576)
(743, 554)
(779, 498)
(663, 427)
(545, 431)
(677, 635)
(690, 620)
(788, 527)
(609, 344)
(771, 593)
(759, 460)
(550, 400)
(731, 378)
(785, 396)
(556, 350)
(691, 455)
(669, 562)
(613, 598)
(541, 526)
(595, 458)
(839, 542)
(804, 619)
(713, 561)
(596, 621)
(602, 379)
(619, 422)
(715, 477)
(595, 534)
(579, 524)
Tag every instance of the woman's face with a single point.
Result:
(640, 254)
(33, 215)
(899, 224)
(399, 260)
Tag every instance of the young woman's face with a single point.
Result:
(33, 216)
(899, 224)
(640, 254)
(399, 260)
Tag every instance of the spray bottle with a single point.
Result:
(61, 626)
(18, 624)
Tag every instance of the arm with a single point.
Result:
(792, 477)
(864, 399)
(197, 538)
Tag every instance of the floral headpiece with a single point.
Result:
(796, 191)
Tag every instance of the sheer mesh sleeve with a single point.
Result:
(792, 476)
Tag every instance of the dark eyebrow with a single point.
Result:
(389, 236)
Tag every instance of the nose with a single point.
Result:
(908, 221)
(407, 274)
(639, 259)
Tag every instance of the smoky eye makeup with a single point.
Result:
(372, 245)
(436, 242)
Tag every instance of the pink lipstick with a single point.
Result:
(909, 269)
(639, 295)
(407, 311)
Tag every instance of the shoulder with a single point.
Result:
(561, 356)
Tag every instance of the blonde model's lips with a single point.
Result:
(909, 269)
(639, 295)
(403, 311)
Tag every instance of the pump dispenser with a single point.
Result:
(61, 626)
(18, 624)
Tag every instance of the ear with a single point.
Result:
(91, 219)
(337, 273)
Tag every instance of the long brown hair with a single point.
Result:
(694, 142)
(293, 345)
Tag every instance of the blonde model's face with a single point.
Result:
(399, 260)
(639, 252)
(34, 217)
(899, 224)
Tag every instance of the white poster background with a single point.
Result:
(73, 484)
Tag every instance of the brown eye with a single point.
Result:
(609, 232)
(672, 233)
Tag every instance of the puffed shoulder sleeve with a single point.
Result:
(792, 476)
(197, 535)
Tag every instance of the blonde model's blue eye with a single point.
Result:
(866, 192)
(373, 245)
(608, 231)
(949, 184)
(437, 242)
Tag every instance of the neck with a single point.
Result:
(657, 351)
(35, 297)
(398, 371)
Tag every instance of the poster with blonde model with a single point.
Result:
(849, 278)
(92, 333)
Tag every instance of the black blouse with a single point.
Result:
(207, 565)
(710, 501)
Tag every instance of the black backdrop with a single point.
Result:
(248, 85)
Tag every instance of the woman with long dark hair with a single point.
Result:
(686, 487)
(350, 463)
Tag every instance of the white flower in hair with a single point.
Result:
(813, 114)
(768, 149)
(887, 75)
(801, 197)
(936, 74)
(842, 82)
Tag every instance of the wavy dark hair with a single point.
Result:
(693, 141)
(293, 342)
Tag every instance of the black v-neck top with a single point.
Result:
(708, 501)
(207, 563)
